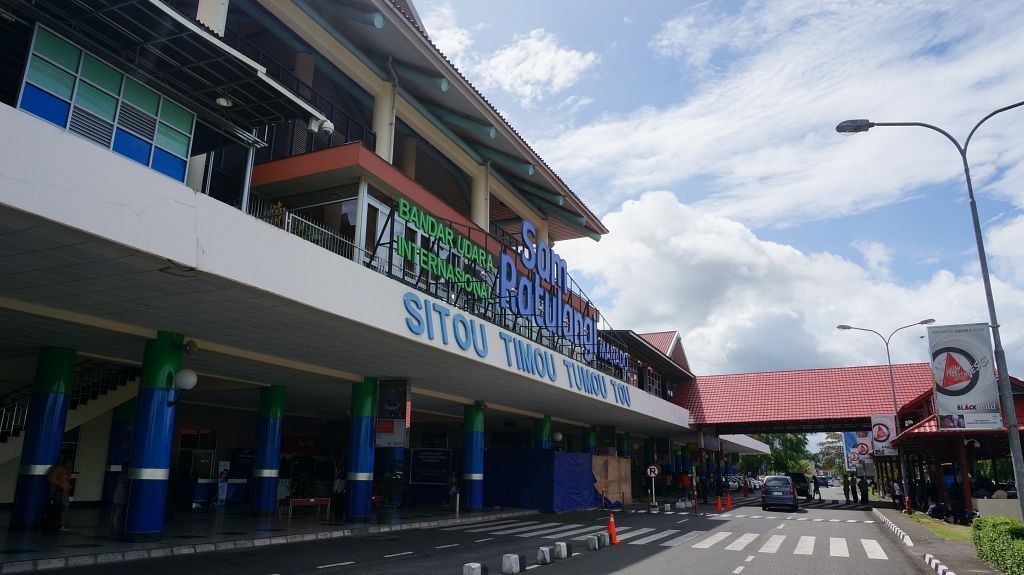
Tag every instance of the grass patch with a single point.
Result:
(943, 529)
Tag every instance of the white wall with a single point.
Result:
(91, 462)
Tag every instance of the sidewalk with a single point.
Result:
(89, 541)
(959, 556)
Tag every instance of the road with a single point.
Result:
(816, 540)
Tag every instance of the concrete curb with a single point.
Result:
(169, 549)
(937, 565)
(900, 534)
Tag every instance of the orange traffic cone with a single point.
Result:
(718, 504)
(728, 500)
(611, 529)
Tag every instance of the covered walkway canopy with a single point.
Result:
(802, 401)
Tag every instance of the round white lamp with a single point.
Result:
(185, 379)
(556, 436)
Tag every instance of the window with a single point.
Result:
(76, 91)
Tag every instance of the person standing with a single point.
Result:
(817, 487)
(117, 501)
(59, 482)
(853, 489)
(897, 494)
(846, 487)
(864, 500)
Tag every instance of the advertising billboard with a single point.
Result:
(966, 396)
(883, 430)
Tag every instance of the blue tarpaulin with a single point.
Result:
(543, 479)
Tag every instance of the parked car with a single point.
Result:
(778, 490)
(802, 484)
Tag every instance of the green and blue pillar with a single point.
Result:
(590, 440)
(542, 432)
(119, 445)
(47, 416)
(154, 433)
(268, 450)
(473, 456)
(359, 495)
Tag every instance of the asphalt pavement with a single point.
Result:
(821, 538)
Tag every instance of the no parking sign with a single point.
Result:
(653, 471)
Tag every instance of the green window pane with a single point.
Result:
(172, 140)
(96, 101)
(102, 75)
(50, 78)
(140, 96)
(176, 116)
(57, 49)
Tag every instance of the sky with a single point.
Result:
(703, 136)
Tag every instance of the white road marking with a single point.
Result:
(773, 544)
(521, 529)
(781, 525)
(528, 567)
(805, 546)
(833, 521)
(484, 539)
(493, 527)
(851, 520)
(837, 547)
(583, 530)
(335, 565)
(682, 521)
(471, 525)
(576, 553)
(631, 534)
(552, 530)
(755, 516)
(738, 569)
(869, 522)
(873, 549)
(655, 537)
(727, 515)
(682, 538)
(749, 558)
(818, 519)
(398, 554)
(741, 516)
(447, 546)
(707, 543)
(741, 542)
(802, 519)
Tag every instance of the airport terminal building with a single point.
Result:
(250, 246)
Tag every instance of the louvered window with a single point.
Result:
(82, 94)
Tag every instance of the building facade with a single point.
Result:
(305, 211)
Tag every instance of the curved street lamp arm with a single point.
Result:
(959, 148)
(967, 142)
(888, 339)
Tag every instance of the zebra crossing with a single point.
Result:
(766, 543)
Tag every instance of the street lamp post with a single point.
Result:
(892, 386)
(1006, 395)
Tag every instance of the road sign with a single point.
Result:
(652, 471)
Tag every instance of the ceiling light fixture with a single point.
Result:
(224, 102)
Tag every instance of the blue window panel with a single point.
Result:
(46, 106)
(169, 164)
(132, 147)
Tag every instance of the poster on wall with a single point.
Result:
(393, 413)
(431, 466)
(883, 430)
(966, 396)
(223, 471)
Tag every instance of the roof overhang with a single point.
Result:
(743, 444)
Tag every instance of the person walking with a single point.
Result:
(864, 500)
(817, 488)
(846, 487)
(853, 489)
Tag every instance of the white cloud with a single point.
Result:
(534, 67)
(745, 304)
(758, 144)
(453, 41)
(876, 256)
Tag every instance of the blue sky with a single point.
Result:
(703, 136)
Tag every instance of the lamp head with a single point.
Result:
(843, 327)
(854, 126)
(556, 436)
(185, 379)
(928, 321)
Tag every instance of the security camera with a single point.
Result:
(317, 125)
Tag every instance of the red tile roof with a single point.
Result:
(813, 394)
(661, 340)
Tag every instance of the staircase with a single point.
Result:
(98, 387)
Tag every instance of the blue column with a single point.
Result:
(119, 446)
(359, 488)
(47, 415)
(268, 450)
(473, 457)
(154, 432)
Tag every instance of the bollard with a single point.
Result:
(668, 507)
(512, 563)
(474, 569)
(681, 504)
(563, 550)
(604, 539)
(592, 543)
(457, 506)
(545, 555)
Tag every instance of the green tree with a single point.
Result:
(788, 453)
(832, 452)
